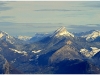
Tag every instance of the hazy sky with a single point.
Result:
(29, 17)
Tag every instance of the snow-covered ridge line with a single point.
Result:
(24, 37)
(6, 36)
(59, 29)
(92, 36)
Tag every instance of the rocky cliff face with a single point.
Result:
(6, 68)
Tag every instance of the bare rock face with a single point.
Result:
(6, 68)
(68, 42)
(66, 52)
(4, 65)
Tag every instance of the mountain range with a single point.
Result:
(59, 52)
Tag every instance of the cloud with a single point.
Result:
(92, 4)
(3, 18)
(28, 28)
(56, 10)
(4, 24)
(31, 28)
(93, 25)
(48, 16)
(6, 17)
(1, 3)
(3, 6)
(81, 28)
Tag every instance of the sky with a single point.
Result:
(30, 17)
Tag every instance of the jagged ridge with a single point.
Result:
(62, 32)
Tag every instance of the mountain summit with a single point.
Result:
(4, 34)
(6, 37)
(90, 37)
(62, 32)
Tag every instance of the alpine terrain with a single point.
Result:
(59, 52)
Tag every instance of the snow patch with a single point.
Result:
(91, 53)
(13, 61)
(36, 51)
(10, 41)
(17, 51)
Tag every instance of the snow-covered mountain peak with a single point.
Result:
(96, 32)
(62, 32)
(93, 35)
(4, 35)
(61, 29)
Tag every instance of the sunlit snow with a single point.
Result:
(1, 35)
(17, 51)
(92, 36)
(91, 53)
(62, 32)
(36, 51)
(24, 38)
